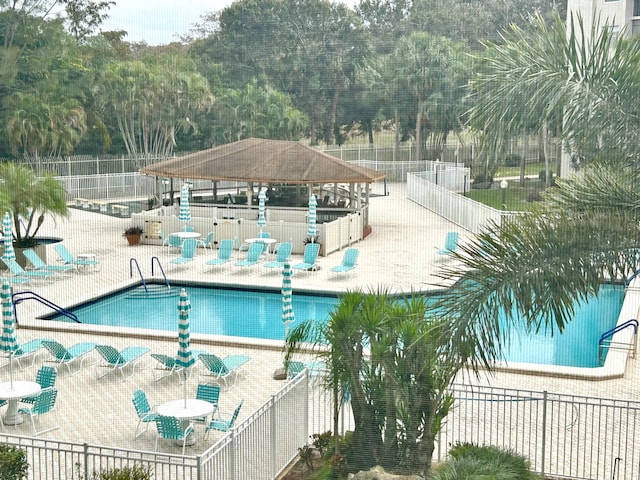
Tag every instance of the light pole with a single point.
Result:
(503, 186)
(436, 164)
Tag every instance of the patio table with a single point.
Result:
(12, 392)
(194, 409)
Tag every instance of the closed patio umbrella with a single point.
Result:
(262, 198)
(312, 229)
(184, 214)
(7, 237)
(185, 357)
(8, 341)
(288, 316)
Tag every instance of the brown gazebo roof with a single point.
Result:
(266, 161)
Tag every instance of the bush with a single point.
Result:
(13, 462)
(474, 462)
(482, 182)
(512, 160)
(137, 472)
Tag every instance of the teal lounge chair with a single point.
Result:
(66, 356)
(38, 264)
(188, 252)
(450, 244)
(167, 364)
(18, 271)
(224, 253)
(28, 350)
(309, 257)
(119, 360)
(253, 255)
(170, 428)
(145, 412)
(223, 370)
(282, 256)
(67, 257)
(13, 280)
(348, 261)
(222, 425)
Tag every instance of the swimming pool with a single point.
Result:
(257, 314)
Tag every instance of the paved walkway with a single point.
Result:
(399, 254)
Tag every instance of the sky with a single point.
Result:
(160, 22)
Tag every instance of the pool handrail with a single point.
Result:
(166, 282)
(132, 262)
(20, 297)
(630, 279)
(610, 333)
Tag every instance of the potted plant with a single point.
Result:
(30, 198)
(133, 234)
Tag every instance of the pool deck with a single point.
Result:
(399, 254)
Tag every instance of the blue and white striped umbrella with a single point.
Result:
(184, 214)
(9, 340)
(9, 253)
(185, 357)
(262, 198)
(311, 229)
(287, 295)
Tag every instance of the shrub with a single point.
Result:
(13, 462)
(474, 462)
(512, 160)
(137, 472)
(135, 230)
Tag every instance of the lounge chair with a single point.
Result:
(45, 402)
(167, 364)
(224, 253)
(18, 271)
(293, 368)
(67, 356)
(13, 280)
(253, 255)
(170, 428)
(119, 360)
(28, 350)
(224, 425)
(67, 257)
(188, 252)
(348, 261)
(309, 257)
(282, 255)
(225, 369)
(145, 412)
(450, 244)
(38, 264)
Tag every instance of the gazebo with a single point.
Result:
(290, 170)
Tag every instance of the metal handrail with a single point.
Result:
(133, 261)
(20, 297)
(610, 333)
(166, 282)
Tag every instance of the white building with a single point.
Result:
(620, 15)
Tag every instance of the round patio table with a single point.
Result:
(12, 392)
(185, 411)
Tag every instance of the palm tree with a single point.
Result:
(588, 229)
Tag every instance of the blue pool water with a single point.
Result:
(257, 314)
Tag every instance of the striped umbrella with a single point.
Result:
(8, 254)
(311, 229)
(9, 340)
(287, 293)
(185, 358)
(262, 198)
(184, 214)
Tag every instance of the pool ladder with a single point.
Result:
(605, 343)
(134, 262)
(20, 297)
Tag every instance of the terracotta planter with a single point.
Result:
(133, 238)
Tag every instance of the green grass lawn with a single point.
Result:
(515, 197)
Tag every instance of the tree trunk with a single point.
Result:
(419, 129)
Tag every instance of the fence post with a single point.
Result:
(544, 431)
(85, 455)
(232, 455)
(274, 436)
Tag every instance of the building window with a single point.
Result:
(636, 8)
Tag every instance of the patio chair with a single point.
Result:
(283, 253)
(145, 412)
(118, 360)
(293, 368)
(66, 356)
(208, 393)
(45, 402)
(311, 251)
(68, 258)
(167, 364)
(207, 242)
(348, 261)
(450, 244)
(253, 255)
(38, 264)
(224, 253)
(222, 425)
(170, 428)
(28, 350)
(188, 252)
(18, 271)
(223, 370)
(46, 378)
